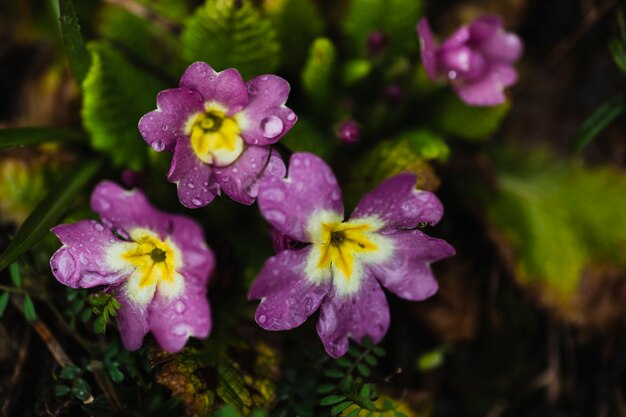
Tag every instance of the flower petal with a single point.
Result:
(198, 260)
(196, 184)
(162, 126)
(239, 179)
(266, 118)
(287, 296)
(173, 320)
(132, 321)
(82, 260)
(288, 203)
(361, 314)
(459, 38)
(407, 272)
(428, 48)
(124, 210)
(488, 90)
(398, 204)
(225, 87)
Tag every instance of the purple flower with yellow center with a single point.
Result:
(220, 129)
(156, 264)
(343, 263)
(477, 59)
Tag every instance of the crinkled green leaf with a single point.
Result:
(49, 211)
(395, 18)
(74, 45)
(318, 75)
(150, 43)
(116, 95)
(231, 34)
(472, 123)
(26, 136)
(297, 22)
(599, 120)
(558, 220)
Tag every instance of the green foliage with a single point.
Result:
(4, 301)
(306, 136)
(355, 71)
(49, 211)
(104, 306)
(617, 45)
(73, 40)
(26, 136)
(71, 375)
(455, 118)
(297, 23)
(231, 34)
(559, 219)
(116, 95)
(395, 18)
(318, 75)
(431, 360)
(29, 309)
(599, 120)
(139, 38)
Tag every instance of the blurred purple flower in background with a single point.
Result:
(343, 263)
(219, 129)
(477, 59)
(349, 132)
(155, 264)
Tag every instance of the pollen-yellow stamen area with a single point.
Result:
(153, 259)
(215, 137)
(342, 241)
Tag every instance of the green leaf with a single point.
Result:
(363, 370)
(297, 23)
(81, 389)
(4, 301)
(74, 45)
(355, 412)
(116, 95)
(333, 373)
(471, 123)
(344, 362)
(365, 391)
(146, 41)
(61, 390)
(356, 70)
(69, 373)
(430, 360)
(379, 351)
(371, 360)
(318, 74)
(332, 399)
(599, 120)
(49, 211)
(231, 34)
(29, 309)
(14, 272)
(26, 136)
(395, 18)
(618, 51)
(305, 136)
(325, 388)
(563, 222)
(340, 407)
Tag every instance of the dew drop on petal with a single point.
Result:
(164, 128)
(251, 89)
(264, 78)
(291, 116)
(271, 126)
(191, 185)
(98, 227)
(181, 329)
(179, 307)
(262, 319)
(158, 145)
(196, 202)
(275, 216)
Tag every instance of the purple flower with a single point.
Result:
(156, 264)
(219, 129)
(477, 59)
(349, 132)
(344, 263)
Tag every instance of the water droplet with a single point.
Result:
(265, 78)
(211, 77)
(206, 183)
(275, 216)
(158, 145)
(98, 227)
(164, 128)
(235, 170)
(191, 185)
(196, 202)
(335, 195)
(225, 178)
(291, 116)
(251, 89)
(308, 304)
(452, 75)
(271, 126)
(179, 307)
(104, 204)
(181, 329)
(262, 319)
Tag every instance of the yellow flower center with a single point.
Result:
(342, 241)
(153, 259)
(215, 138)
